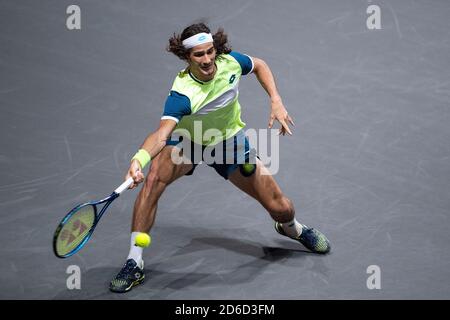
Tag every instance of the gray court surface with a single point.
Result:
(368, 164)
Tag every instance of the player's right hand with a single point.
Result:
(135, 171)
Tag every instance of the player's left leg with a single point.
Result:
(262, 186)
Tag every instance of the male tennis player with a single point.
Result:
(206, 93)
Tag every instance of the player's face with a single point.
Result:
(201, 61)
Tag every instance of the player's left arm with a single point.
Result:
(267, 81)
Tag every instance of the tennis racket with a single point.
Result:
(74, 231)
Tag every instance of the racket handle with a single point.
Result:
(124, 186)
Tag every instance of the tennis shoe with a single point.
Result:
(129, 276)
(311, 238)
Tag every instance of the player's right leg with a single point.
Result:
(163, 171)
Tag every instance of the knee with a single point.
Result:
(282, 209)
(152, 181)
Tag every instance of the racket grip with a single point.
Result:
(124, 185)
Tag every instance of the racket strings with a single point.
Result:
(75, 230)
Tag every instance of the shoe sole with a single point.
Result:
(133, 284)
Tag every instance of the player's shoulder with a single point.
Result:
(230, 60)
(225, 56)
(232, 56)
(243, 60)
(182, 74)
(181, 77)
(185, 84)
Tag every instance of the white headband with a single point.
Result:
(197, 39)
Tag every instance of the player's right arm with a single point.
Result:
(153, 144)
(177, 105)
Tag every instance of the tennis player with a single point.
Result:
(204, 99)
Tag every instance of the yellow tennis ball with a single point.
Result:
(248, 167)
(143, 240)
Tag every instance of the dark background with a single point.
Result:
(369, 162)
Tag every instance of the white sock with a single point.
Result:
(135, 251)
(292, 228)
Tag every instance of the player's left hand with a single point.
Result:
(279, 113)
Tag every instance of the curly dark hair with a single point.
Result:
(175, 46)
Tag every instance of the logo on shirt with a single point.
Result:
(232, 78)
